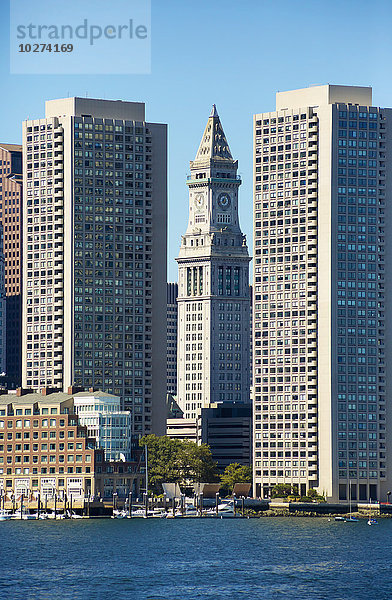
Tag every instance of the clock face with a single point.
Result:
(224, 200)
(199, 200)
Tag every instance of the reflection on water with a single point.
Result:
(250, 559)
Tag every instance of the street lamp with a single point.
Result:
(388, 495)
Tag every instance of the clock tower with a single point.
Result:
(213, 282)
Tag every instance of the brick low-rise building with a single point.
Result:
(43, 448)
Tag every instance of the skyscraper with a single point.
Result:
(320, 289)
(94, 286)
(213, 282)
(11, 219)
(3, 331)
(172, 313)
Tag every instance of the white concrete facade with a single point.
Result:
(320, 314)
(213, 282)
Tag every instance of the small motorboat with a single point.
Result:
(119, 514)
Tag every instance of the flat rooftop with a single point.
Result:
(317, 95)
(103, 109)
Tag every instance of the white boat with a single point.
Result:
(119, 514)
(25, 516)
(191, 511)
(141, 513)
(5, 515)
(371, 521)
(226, 510)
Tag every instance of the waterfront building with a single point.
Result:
(11, 220)
(106, 423)
(226, 427)
(172, 323)
(45, 449)
(320, 317)
(213, 282)
(94, 258)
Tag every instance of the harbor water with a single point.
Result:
(195, 559)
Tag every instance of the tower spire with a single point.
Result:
(213, 144)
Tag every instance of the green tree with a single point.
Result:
(281, 490)
(235, 473)
(177, 461)
(197, 464)
(163, 460)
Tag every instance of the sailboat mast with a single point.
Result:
(145, 450)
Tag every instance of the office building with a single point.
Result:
(213, 282)
(94, 259)
(106, 423)
(172, 323)
(226, 427)
(11, 220)
(321, 316)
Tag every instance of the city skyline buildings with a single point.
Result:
(172, 77)
(320, 312)
(94, 285)
(364, 136)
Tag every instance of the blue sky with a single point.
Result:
(234, 54)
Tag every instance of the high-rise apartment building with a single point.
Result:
(321, 180)
(213, 282)
(94, 236)
(11, 219)
(172, 322)
(3, 309)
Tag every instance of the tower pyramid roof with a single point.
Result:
(213, 144)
